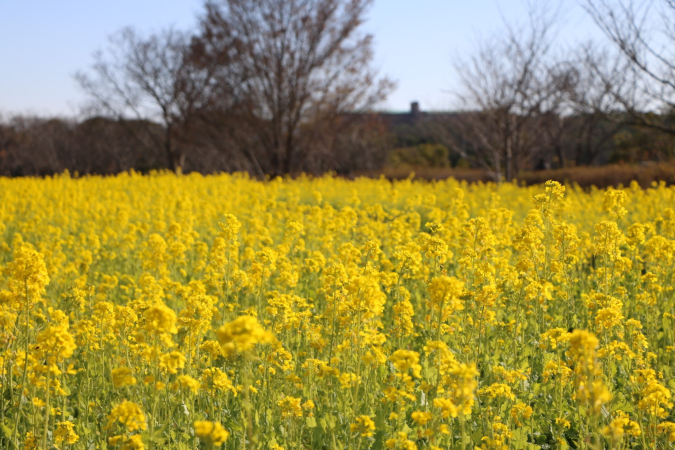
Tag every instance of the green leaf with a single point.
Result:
(380, 438)
(158, 433)
(519, 440)
(6, 432)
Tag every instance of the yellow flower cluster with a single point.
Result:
(211, 433)
(364, 426)
(242, 334)
(128, 414)
(182, 312)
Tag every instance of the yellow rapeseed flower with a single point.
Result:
(242, 334)
(363, 425)
(128, 414)
(211, 433)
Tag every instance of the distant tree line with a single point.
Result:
(276, 87)
(32, 146)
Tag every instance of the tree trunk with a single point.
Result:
(175, 158)
(288, 160)
(508, 163)
(498, 169)
(561, 155)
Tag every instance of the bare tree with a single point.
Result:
(150, 78)
(644, 32)
(552, 122)
(303, 64)
(504, 88)
(597, 116)
(363, 144)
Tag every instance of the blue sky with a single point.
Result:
(43, 42)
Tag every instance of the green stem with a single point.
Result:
(47, 412)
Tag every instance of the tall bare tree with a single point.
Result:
(303, 64)
(151, 78)
(504, 88)
(644, 32)
(600, 78)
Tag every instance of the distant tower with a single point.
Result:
(415, 109)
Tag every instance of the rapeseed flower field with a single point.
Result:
(184, 312)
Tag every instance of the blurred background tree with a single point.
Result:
(275, 87)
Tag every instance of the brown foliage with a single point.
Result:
(600, 176)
